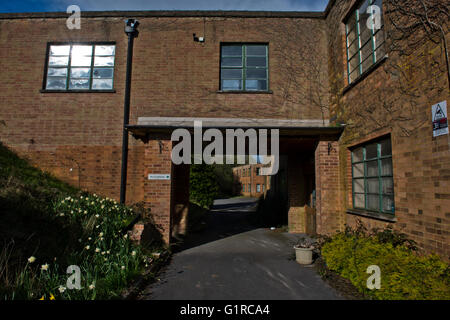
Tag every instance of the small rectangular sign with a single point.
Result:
(164, 176)
(439, 118)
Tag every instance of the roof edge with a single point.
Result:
(171, 14)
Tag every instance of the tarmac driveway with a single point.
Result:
(233, 260)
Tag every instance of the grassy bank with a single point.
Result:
(46, 226)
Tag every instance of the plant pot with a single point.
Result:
(304, 255)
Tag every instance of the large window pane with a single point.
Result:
(372, 168)
(256, 85)
(81, 61)
(361, 40)
(371, 151)
(105, 50)
(79, 84)
(386, 167)
(386, 147)
(358, 170)
(256, 61)
(358, 185)
(103, 73)
(231, 50)
(354, 63)
(59, 50)
(360, 201)
(367, 51)
(351, 37)
(104, 61)
(104, 84)
(244, 67)
(81, 51)
(373, 202)
(388, 186)
(231, 62)
(231, 84)
(58, 61)
(373, 185)
(56, 83)
(231, 73)
(256, 50)
(80, 72)
(358, 155)
(388, 203)
(57, 72)
(256, 74)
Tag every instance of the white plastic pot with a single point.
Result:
(304, 255)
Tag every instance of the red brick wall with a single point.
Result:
(329, 213)
(396, 98)
(172, 76)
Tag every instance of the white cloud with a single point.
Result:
(254, 5)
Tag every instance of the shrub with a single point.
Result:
(404, 274)
(203, 187)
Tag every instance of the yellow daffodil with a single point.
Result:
(44, 267)
(31, 259)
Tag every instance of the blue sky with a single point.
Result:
(94, 5)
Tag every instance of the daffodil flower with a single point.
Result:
(44, 267)
(31, 259)
(62, 289)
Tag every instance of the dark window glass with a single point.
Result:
(244, 67)
(372, 177)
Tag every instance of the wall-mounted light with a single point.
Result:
(131, 26)
(198, 39)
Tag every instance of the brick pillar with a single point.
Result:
(328, 208)
(180, 199)
(296, 190)
(158, 193)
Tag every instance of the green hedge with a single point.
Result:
(404, 274)
(203, 187)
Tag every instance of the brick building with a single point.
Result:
(348, 132)
(248, 180)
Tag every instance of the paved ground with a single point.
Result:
(233, 260)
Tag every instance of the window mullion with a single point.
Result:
(365, 180)
(358, 34)
(69, 67)
(244, 61)
(380, 180)
(91, 74)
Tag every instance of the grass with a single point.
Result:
(47, 225)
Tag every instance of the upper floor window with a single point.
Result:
(244, 67)
(372, 177)
(365, 38)
(80, 67)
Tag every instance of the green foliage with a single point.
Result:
(203, 186)
(404, 274)
(225, 179)
(58, 225)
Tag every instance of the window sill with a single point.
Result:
(373, 215)
(77, 91)
(365, 74)
(245, 92)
